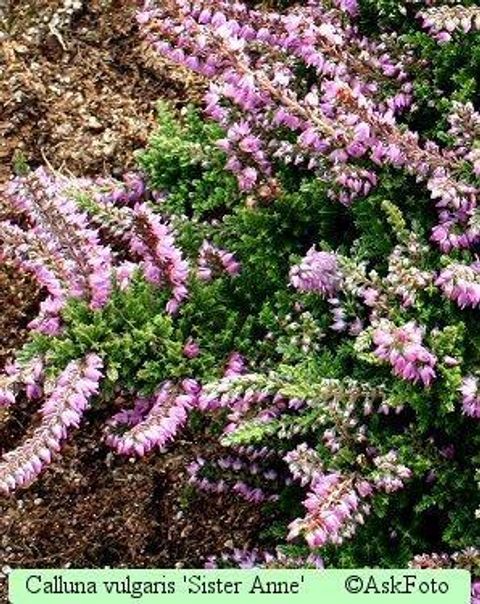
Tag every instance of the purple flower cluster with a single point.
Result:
(475, 592)
(191, 349)
(304, 463)
(252, 60)
(236, 365)
(467, 559)
(470, 396)
(318, 272)
(335, 503)
(15, 376)
(443, 21)
(62, 410)
(60, 249)
(63, 250)
(256, 558)
(213, 261)
(389, 475)
(239, 486)
(334, 507)
(465, 130)
(243, 399)
(150, 240)
(216, 398)
(7, 397)
(457, 207)
(161, 260)
(405, 278)
(248, 461)
(426, 561)
(153, 422)
(402, 348)
(130, 191)
(352, 182)
(461, 283)
(252, 91)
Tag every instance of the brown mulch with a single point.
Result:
(94, 508)
(18, 302)
(78, 92)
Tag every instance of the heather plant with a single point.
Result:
(297, 113)
(296, 266)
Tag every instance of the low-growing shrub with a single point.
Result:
(298, 265)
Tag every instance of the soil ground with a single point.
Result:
(78, 92)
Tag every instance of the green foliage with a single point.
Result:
(183, 162)
(451, 75)
(138, 340)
